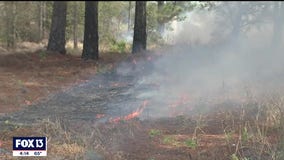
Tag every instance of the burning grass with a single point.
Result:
(131, 115)
(252, 129)
(243, 135)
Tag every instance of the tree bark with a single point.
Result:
(56, 42)
(129, 16)
(75, 25)
(91, 37)
(140, 35)
(43, 19)
(40, 20)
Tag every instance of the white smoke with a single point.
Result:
(197, 28)
(205, 64)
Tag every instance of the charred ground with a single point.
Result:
(80, 100)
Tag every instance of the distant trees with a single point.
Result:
(115, 23)
(41, 19)
(161, 24)
(239, 17)
(129, 17)
(160, 14)
(140, 35)
(57, 40)
(75, 24)
(10, 19)
(91, 37)
(170, 10)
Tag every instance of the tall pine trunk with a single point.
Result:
(41, 6)
(91, 37)
(56, 42)
(75, 25)
(43, 20)
(40, 20)
(129, 16)
(140, 35)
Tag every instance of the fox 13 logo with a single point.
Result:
(29, 146)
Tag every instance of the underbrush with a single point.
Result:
(258, 125)
(254, 131)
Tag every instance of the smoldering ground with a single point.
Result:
(207, 65)
(209, 62)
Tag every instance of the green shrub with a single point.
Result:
(154, 132)
(118, 46)
(191, 143)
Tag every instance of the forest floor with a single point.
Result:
(76, 129)
(27, 77)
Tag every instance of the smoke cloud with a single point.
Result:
(213, 61)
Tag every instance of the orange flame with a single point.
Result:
(131, 115)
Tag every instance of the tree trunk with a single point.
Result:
(161, 24)
(129, 16)
(43, 19)
(140, 35)
(10, 10)
(56, 42)
(40, 21)
(75, 25)
(91, 38)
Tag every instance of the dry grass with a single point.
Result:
(254, 130)
(257, 125)
(246, 136)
